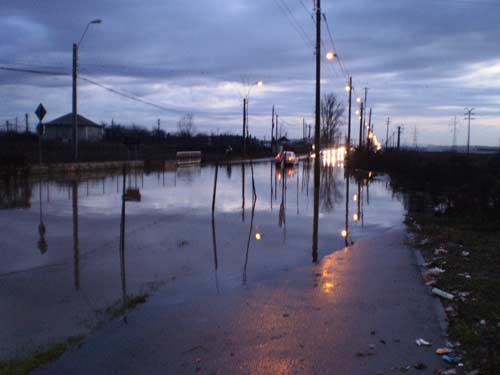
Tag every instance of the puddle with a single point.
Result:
(60, 248)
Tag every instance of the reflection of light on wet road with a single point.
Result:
(327, 278)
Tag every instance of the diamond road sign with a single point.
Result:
(40, 111)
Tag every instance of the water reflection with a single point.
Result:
(250, 231)
(214, 237)
(122, 240)
(269, 241)
(42, 242)
(76, 245)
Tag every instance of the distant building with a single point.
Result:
(62, 129)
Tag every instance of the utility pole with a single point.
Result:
(454, 143)
(26, 122)
(468, 114)
(244, 139)
(74, 107)
(399, 136)
(348, 143)
(360, 126)
(277, 129)
(415, 136)
(317, 130)
(16, 124)
(369, 130)
(272, 132)
(303, 129)
(158, 127)
(387, 132)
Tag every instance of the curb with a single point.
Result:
(438, 305)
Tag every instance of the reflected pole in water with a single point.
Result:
(271, 179)
(347, 199)
(122, 239)
(243, 191)
(298, 171)
(214, 238)
(252, 214)
(76, 248)
(42, 243)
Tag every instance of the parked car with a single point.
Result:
(286, 157)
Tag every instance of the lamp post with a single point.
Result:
(360, 101)
(245, 114)
(76, 47)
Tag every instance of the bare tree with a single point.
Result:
(185, 125)
(332, 112)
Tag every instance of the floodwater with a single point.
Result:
(63, 265)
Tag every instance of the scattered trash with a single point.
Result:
(451, 371)
(440, 250)
(442, 351)
(482, 322)
(382, 342)
(473, 372)
(465, 253)
(286, 315)
(442, 293)
(435, 271)
(420, 366)
(422, 342)
(451, 358)
(425, 241)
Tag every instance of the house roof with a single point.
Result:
(67, 120)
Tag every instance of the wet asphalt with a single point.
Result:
(358, 311)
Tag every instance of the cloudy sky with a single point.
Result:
(422, 60)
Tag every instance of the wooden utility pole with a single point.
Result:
(399, 136)
(26, 123)
(74, 102)
(317, 130)
(368, 143)
(387, 132)
(348, 142)
(244, 139)
(360, 126)
(272, 132)
(277, 136)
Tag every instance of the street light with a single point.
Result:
(258, 83)
(76, 47)
(330, 55)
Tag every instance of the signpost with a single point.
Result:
(40, 113)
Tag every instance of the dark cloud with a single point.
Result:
(421, 59)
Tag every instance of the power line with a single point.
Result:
(34, 71)
(332, 41)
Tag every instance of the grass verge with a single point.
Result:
(471, 260)
(26, 365)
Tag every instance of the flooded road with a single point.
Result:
(61, 260)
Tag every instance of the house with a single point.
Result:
(61, 128)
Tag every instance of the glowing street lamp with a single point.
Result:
(344, 233)
(330, 55)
